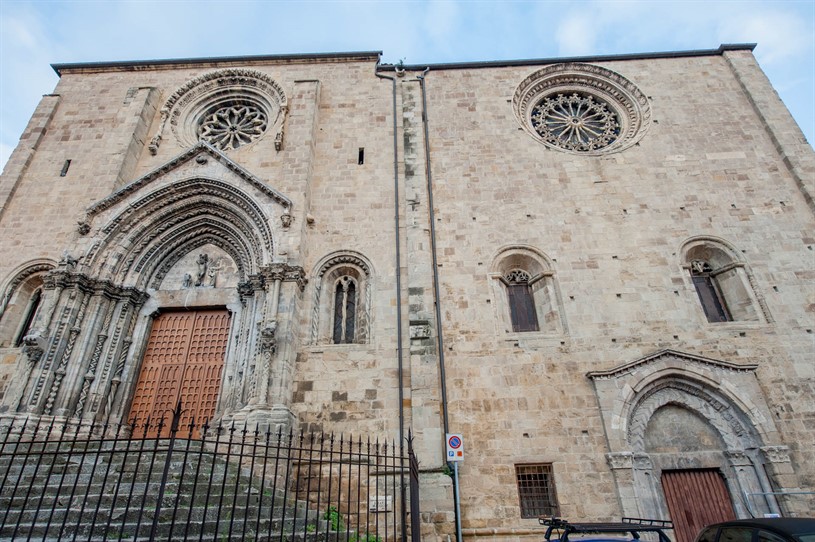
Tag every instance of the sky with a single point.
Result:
(36, 34)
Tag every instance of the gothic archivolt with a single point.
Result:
(199, 229)
(581, 109)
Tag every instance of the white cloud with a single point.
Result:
(576, 36)
(780, 35)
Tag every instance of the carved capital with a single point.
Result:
(642, 462)
(83, 228)
(33, 347)
(268, 342)
(776, 454)
(738, 458)
(620, 460)
(286, 220)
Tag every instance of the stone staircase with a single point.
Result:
(108, 494)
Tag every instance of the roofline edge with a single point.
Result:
(557, 60)
(60, 67)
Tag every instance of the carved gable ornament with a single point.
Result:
(727, 394)
(200, 197)
(228, 109)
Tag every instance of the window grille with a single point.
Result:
(536, 490)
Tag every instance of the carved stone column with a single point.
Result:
(269, 403)
(778, 467)
(622, 469)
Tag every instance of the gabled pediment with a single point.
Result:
(202, 159)
(668, 354)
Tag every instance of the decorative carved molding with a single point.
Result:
(721, 416)
(629, 368)
(191, 106)
(286, 273)
(186, 156)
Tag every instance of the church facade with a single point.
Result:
(599, 271)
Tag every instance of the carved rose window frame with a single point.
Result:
(581, 109)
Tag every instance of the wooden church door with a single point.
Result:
(183, 361)
(696, 498)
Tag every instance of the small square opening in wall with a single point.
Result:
(65, 167)
(536, 490)
(361, 156)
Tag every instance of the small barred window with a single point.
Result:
(536, 490)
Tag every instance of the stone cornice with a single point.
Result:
(628, 367)
(214, 62)
(90, 285)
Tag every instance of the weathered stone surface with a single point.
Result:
(624, 351)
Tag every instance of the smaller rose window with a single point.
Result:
(232, 126)
(576, 122)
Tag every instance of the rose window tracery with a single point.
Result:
(233, 126)
(229, 109)
(581, 109)
(577, 121)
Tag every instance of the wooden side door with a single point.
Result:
(696, 498)
(183, 361)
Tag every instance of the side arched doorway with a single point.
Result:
(690, 439)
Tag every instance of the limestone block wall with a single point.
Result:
(613, 227)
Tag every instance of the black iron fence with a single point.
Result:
(71, 481)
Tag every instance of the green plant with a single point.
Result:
(364, 538)
(310, 528)
(334, 518)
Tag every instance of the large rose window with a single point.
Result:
(229, 109)
(233, 126)
(582, 109)
(576, 122)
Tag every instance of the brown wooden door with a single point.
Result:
(182, 361)
(696, 498)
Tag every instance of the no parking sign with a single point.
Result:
(455, 447)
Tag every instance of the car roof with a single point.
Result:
(794, 526)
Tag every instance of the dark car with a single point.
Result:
(627, 530)
(760, 530)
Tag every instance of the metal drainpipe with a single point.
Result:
(398, 293)
(399, 353)
(442, 375)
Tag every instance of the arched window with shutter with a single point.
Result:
(526, 291)
(722, 281)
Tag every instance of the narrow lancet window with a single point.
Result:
(345, 307)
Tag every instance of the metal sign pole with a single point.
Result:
(457, 500)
